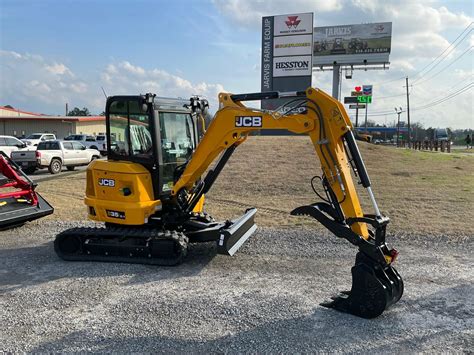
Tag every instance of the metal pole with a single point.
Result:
(366, 107)
(336, 78)
(408, 115)
(357, 115)
(398, 127)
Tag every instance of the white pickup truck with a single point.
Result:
(35, 138)
(87, 140)
(56, 154)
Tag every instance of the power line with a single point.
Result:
(446, 67)
(449, 97)
(452, 88)
(431, 104)
(387, 97)
(434, 60)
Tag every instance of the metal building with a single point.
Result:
(19, 123)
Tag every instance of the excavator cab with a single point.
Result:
(159, 134)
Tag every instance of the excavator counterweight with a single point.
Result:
(150, 193)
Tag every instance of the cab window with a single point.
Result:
(130, 130)
(177, 143)
(12, 141)
(78, 146)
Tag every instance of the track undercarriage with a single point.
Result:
(153, 244)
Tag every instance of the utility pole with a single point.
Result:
(408, 115)
(67, 109)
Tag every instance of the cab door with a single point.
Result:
(81, 154)
(69, 154)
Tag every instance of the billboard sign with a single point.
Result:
(296, 24)
(287, 49)
(352, 44)
(292, 45)
(292, 66)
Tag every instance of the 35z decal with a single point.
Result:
(115, 214)
(248, 121)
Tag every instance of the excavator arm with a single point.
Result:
(376, 284)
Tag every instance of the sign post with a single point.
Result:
(367, 96)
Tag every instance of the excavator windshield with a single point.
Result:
(177, 143)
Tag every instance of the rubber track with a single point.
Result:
(119, 234)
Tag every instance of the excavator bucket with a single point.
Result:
(19, 203)
(374, 289)
(376, 285)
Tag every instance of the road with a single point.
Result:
(44, 174)
(265, 299)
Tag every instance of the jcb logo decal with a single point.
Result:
(248, 121)
(107, 182)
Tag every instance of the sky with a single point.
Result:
(54, 52)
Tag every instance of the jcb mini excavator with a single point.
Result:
(150, 191)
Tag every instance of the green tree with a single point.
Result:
(78, 112)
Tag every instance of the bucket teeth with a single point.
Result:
(374, 289)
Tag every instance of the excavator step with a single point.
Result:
(122, 244)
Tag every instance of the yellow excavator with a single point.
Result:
(150, 191)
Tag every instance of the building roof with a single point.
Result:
(21, 112)
(54, 118)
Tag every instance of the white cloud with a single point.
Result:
(28, 77)
(125, 78)
(58, 69)
(33, 80)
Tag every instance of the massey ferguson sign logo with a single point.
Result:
(292, 22)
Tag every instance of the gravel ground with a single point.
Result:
(264, 299)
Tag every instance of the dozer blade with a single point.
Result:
(14, 213)
(234, 236)
(374, 289)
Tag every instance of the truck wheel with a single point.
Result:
(94, 147)
(55, 166)
(94, 157)
(70, 168)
